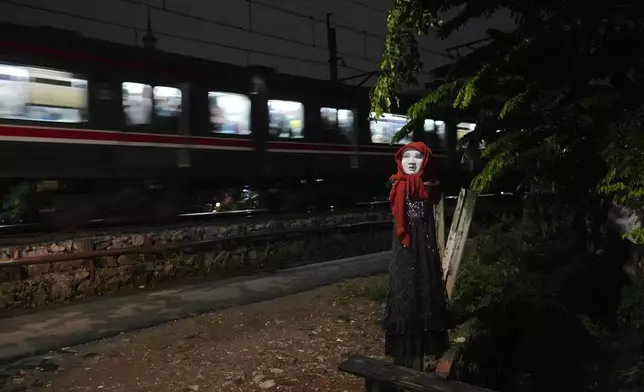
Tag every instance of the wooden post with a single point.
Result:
(439, 219)
(87, 245)
(458, 233)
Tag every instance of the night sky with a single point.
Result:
(289, 35)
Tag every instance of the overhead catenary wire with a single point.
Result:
(211, 43)
(338, 26)
(190, 39)
(367, 6)
(248, 29)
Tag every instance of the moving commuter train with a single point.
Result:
(114, 126)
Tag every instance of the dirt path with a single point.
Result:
(293, 343)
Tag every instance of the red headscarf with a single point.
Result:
(407, 184)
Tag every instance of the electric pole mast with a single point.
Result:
(149, 40)
(333, 49)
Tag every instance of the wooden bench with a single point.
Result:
(383, 376)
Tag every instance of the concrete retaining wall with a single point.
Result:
(38, 285)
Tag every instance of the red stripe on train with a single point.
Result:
(309, 146)
(25, 133)
(383, 149)
(331, 147)
(70, 134)
(57, 133)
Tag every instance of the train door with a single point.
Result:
(433, 134)
(338, 162)
(152, 118)
(469, 146)
(291, 131)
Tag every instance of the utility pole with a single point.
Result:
(333, 49)
(149, 40)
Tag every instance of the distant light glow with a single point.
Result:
(465, 125)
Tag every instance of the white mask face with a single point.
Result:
(412, 161)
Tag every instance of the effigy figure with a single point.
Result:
(416, 317)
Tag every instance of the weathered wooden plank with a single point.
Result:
(439, 219)
(456, 217)
(411, 380)
(459, 230)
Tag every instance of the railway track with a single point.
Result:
(12, 231)
(8, 232)
(90, 264)
(146, 249)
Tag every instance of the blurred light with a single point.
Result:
(388, 116)
(285, 106)
(217, 204)
(465, 125)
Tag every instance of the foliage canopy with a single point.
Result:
(564, 85)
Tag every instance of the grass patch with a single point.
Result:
(372, 288)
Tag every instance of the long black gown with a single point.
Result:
(416, 317)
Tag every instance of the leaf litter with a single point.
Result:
(293, 343)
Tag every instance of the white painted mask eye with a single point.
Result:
(412, 161)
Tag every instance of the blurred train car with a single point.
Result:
(120, 129)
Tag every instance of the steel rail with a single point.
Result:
(107, 223)
(148, 249)
(7, 230)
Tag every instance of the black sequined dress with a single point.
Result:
(416, 317)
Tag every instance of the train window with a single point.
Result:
(337, 124)
(434, 133)
(140, 101)
(167, 102)
(40, 94)
(229, 113)
(464, 135)
(435, 126)
(286, 119)
(439, 127)
(137, 103)
(383, 129)
(429, 126)
(463, 129)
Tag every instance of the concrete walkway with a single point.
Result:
(38, 333)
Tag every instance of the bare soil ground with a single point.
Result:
(293, 343)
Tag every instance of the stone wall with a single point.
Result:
(37, 285)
